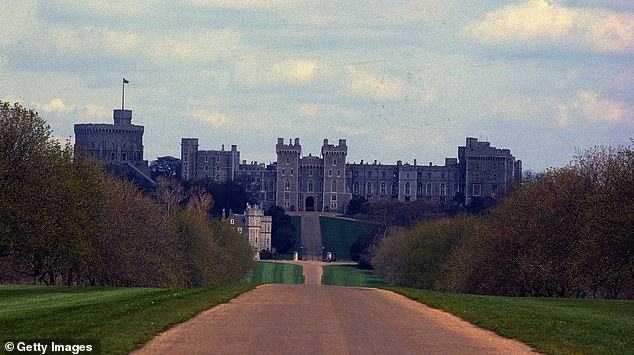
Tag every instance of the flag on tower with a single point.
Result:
(125, 81)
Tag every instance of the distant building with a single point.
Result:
(254, 225)
(119, 146)
(329, 182)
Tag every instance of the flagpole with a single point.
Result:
(122, 93)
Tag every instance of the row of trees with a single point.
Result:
(568, 234)
(64, 220)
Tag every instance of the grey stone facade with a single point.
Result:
(118, 145)
(329, 182)
(255, 226)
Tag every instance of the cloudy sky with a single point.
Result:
(400, 80)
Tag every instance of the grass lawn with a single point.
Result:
(275, 273)
(119, 318)
(550, 325)
(350, 275)
(338, 235)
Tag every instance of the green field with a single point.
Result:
(119, 318)
(338, 235)
(550, 325)
(275, 273)
(350, 275)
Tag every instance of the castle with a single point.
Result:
(327, 183)
(119, 146)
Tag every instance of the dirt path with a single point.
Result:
(292, 319)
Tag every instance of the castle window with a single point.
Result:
(419, 189)
(330, 172)
(443, 190)
(206, 159)
(287, 185)
(334, 185)
(287, 161)
(292, 171)
(420, 175)
(407, 175)
(218, 167)
(428, 189)
(383, 188)
(338, 173)
(206, 167)
(477, 190)
(476, 178)
(407, 189)
(232, 221)
(112, 156)
(333, 197)
(395, 189)
(356, 187)
(217, 177)
(310, 186)
(455, 189)
(239, 229)
(310, 172)
(494, 190)
(283, 172)
(369, 188)
(494, 178)
(334, 162)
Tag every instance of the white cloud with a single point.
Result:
(216, 119)
(239, 4)
(597, 109)
(545, 24)
(294, 71)
(328, 111)
(373, 86)
(429, 96)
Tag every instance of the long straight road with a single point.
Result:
(314, 319)
(311, 236)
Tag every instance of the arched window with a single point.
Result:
(443, 190)
(428, 189)
(369, 188)
(494, 178)
(419, 189)
(408, 190)
(395, 189)
(383, 188)
(356, 187)
(334, 186)
(310, 186)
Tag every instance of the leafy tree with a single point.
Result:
(282, 230)
(168, 167)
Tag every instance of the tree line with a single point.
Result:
(569, 233)
(64, 220)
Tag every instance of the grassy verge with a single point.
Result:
(338, 235)
(120, 318)
(350, 275)
(550, 325)
(275, 273)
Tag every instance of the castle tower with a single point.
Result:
(335, 192)
(189, 154)
(288, 159)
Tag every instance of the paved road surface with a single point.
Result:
(311, 236)
(312, 319)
